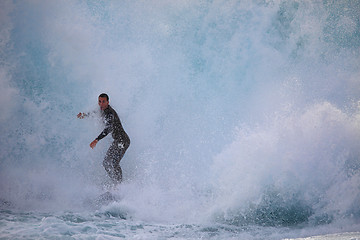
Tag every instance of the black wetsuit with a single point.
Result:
(118, 147)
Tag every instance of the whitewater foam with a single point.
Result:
(243, 115)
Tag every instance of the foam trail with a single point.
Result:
(238, 111)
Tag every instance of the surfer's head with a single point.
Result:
(103, 101)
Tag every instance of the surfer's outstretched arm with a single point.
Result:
(83, 115)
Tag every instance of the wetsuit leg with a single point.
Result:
(112, 160)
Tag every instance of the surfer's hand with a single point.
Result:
(93, 143)
(80, 115)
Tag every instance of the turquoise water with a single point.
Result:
(243, 118)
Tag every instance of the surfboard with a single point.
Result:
(101, 200)
(105, 198)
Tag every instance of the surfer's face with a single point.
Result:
(103, 103)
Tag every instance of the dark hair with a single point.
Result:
(104, 95)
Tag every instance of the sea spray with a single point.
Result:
(299, 164)
(240, 113)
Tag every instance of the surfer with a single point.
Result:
(121, 140)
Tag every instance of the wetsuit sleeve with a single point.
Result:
(109, 120)
(89, 114)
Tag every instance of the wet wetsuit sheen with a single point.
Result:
(118, 147)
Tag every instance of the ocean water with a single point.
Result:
(244, 119)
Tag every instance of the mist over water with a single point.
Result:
(239, 112)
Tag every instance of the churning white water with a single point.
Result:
(244, 118)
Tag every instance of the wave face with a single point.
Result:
(239, 112)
